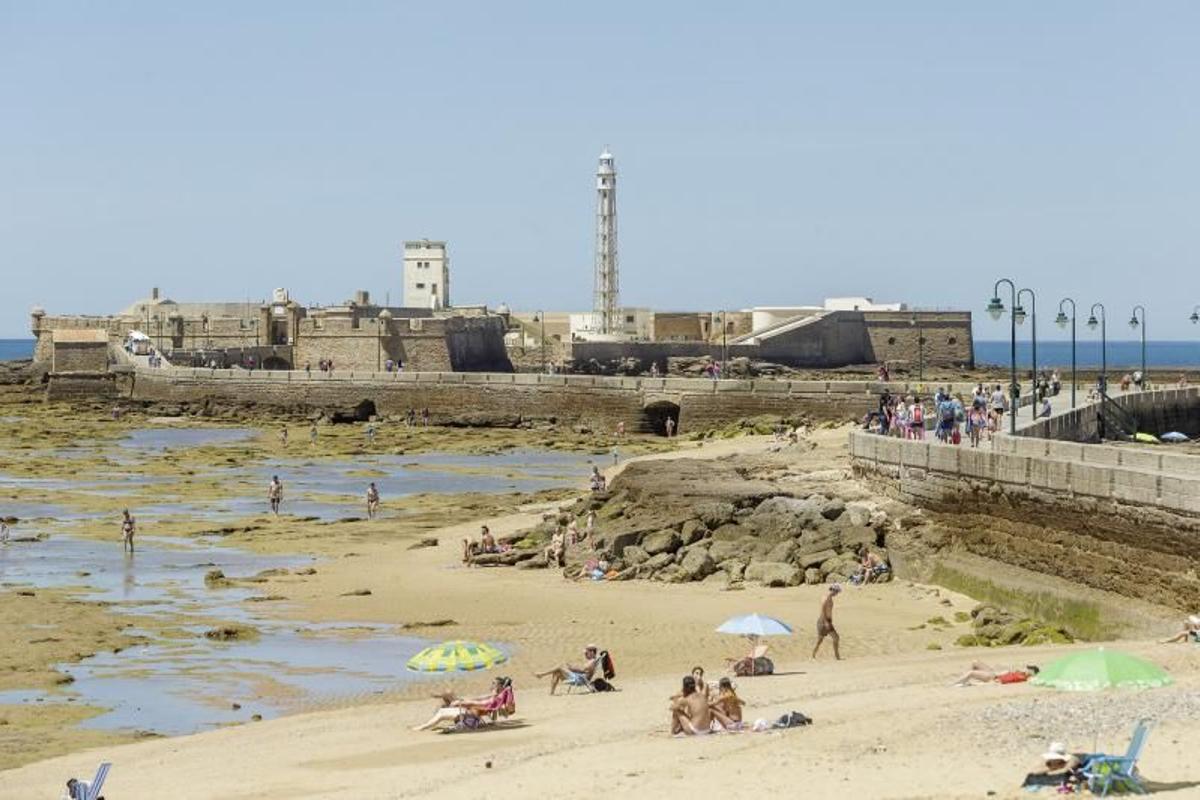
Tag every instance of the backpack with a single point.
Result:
(792, 719)
(601, 685)
(918, 415)
(947, 410)
(607, 667)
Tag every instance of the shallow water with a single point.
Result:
(183, 685)
(167, 438)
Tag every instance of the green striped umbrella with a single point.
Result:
(1092, 670)
(456, 656)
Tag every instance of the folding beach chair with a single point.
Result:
(81, 790)
(1103, 772)
(576, 680)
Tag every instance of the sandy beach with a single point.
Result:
(887, 721)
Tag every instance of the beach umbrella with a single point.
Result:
(1092, 670)
(755, 625)
(456, 656)
(1173, 437)
(1146, 438)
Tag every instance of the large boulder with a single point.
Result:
(812, 576)
(692, 531)
(697, 564)
(773, 573)
(833, 508)
(667, 541)
(783, 505)
(784, 551)
(806, 560)
(724, 549)
(635, 555)
(730, 533)
(855, 537)
(776, 527)
(714, 515)
(655, 563)
(617, 543)
(858, 514)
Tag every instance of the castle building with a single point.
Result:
(426, 275)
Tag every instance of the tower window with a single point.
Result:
(952, 340)
(628, 318)
(420, 286)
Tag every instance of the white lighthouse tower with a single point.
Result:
(604, 297)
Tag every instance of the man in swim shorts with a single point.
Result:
(825, 622)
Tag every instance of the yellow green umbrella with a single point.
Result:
(456, 656)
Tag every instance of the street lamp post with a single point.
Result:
(1062, 320)
(1134, 322)
(724, 344)
(995, 308)
(540, 316)
(920, 347)
(1020, 319)
(1092, 323)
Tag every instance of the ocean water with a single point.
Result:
(1161, 354)
(15, 348)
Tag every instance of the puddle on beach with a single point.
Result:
(168, 438)
(175, 686)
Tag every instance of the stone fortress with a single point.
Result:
(203, 345)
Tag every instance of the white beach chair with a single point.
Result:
(83, 790)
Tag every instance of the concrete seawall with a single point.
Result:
(1118, 519)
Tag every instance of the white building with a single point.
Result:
(426, 275)
(860, 304)
(628, 324)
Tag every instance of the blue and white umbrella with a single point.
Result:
(1174, 437)
(755, 625)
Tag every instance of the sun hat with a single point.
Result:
(1194, 619)
(1056, 752)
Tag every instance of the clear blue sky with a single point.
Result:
(769, 153)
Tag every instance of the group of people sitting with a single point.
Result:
(872, 568)
(597, 482)
(700, 708)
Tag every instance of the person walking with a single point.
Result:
(283, 436)
(312, 435)
(275, 494)
(825, 623)
(372, 501)
(670, 425)
(127, 530)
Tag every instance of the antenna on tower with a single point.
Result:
(606, 287)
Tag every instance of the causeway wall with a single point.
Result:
(1156, 412)
(482, 398)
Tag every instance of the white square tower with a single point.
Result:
(426, 275)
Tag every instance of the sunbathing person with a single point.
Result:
(729, 704)
(692, 714)
(982, 673)
(577, 676)
(1190, 632)
(455, 709)
(1060, 768)
(756, 663)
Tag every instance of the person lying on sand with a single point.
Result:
(693, 715)
(982, 673)
(1190, 632)
(567, 672)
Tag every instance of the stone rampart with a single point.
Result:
(1155, 412)
(494, 398)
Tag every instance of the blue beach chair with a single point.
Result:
(79, 790)
(1104, 773)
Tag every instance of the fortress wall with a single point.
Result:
(1121, 527)
(892, 336)
(1157, 412)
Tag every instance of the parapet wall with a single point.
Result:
(1156, 412)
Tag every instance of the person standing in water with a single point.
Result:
(312, 435)
(372, 501)
(283, 438)
(127, 530)
(275, 494)
(825, 622)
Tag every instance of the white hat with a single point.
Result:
(835, 587)
(1057, 752)
(1194, 619)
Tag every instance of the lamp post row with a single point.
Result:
(1017, 316)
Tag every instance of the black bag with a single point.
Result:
(601, 685)
(793, 719)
